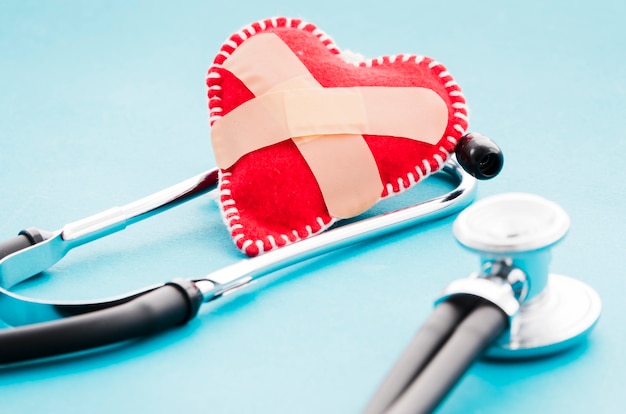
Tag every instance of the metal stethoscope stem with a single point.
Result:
(513, 234)
(50, 247)
(512, 308)
(243, 272)
(18, 310)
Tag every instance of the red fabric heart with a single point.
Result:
(269, 197)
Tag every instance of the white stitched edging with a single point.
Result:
(419, 172)
(228, 207)
(260, 246)
(246, 244)
(461, 116)
(439, 160)
(272, 241)
(457, 103)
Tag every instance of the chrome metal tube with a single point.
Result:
(26, 263)
(19, 310)
(117, 218)
(243, 272)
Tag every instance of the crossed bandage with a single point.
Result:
(327, 124)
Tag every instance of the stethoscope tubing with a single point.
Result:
(457, 332)
(471, 338)
(164, 306)
(160, 309)
(429, 338)
(33, 250)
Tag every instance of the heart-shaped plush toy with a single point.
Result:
(305, 135)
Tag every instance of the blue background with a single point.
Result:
(104, 102)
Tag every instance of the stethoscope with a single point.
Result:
(511, 308)
(50, 328)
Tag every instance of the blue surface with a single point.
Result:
(104, 102)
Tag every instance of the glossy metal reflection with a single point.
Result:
(19, 310)
(26, 263)
(513, 234)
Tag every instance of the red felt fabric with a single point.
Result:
(269, 197)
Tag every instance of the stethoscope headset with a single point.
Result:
(519, 308)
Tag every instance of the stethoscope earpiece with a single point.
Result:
(479, 155)
(48, 328)
(513, 234)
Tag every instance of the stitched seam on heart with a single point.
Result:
(459, 126)
(231, 217)
(228, 207)
(238, 38)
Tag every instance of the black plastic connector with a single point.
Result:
(25, 239)
(163, 308)
(479, 156)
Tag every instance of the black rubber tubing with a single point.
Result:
(25, 239)
(424, 345)
(168, 306)
(475, 333)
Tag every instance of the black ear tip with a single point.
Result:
(479, 156)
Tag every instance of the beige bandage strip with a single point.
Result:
(325, 123)
(417, 113)
(343, 165)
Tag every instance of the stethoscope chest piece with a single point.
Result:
(513, 234)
